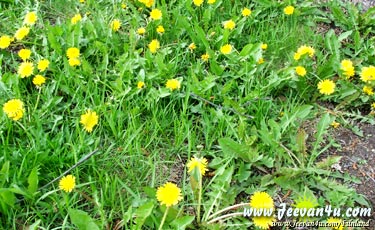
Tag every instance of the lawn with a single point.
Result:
(144, 114)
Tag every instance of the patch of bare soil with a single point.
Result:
(358, 159)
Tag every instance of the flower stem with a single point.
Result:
(37, 100)
(233, 207)
(164, 216)
(199, 199)
(225, 216)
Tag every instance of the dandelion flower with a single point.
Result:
(168, 194)
(5, 41)
(123, 6)
(21, 33)
(368, 90)
(89, 120)
(14, 109)
(67, 183)
(260, 61)
(205, 57)
(115, 25)
(336, 223)
(326, 87)
(373, 106)
(226, 49)
(197, 2)
(24, 54)
(173, 84)
(43, 65)
(74, 62)
(289, 10)
(307, 203)
(264, 46)
(141, 31)
(148, 3)
(192, 46)
(261, 200)
(246, 12)
(160, 29)
(72, 52)
(140, 84)
(347, 68)
(156, 14)
(335, 124)
(39, 80)
(211, 1)
(76, 18)
(25, 69)
(297, 56)
(82, 1)
(230, 24)
(368, 74)
(30, 18)
(200, 163)
(154, 45)
(301, 71)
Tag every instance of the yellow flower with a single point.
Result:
(347, 68)
(173, 84)
(326, 87)
(368, 73)
(338, 223)
(76, 19)
(160, 29)
(25, 69)
(21, 33)
(230, 24)
(302, 50)
(373, 106)
(260, 61)
(148, 3)
(74, 62)
(156, 14)
(30, 18)
(301, 71)
(192, 46)
(82, 1)
(72, 52)
(43, 65)
(368, 90)
(226, 49)
(168, 194)
(154, 45)
(115, 25)
(297, 56)
(123, 5)
(5, 41)
(264, 46)
(39, 80)
(197, 2)
(211, 1)
(261, 200)
(140, 84)
(199, 163)
(141, 31)
(67, 183)
(205, 57)
(14, 109)
(24, 54)
(89, 120)
(246, 12)
(288, 10)
(335, 124)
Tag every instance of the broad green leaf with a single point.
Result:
(82, 220)
(34, 226)
(4, 174)
(234, 149)
(142, 213)
(182, 222)
(33, 181)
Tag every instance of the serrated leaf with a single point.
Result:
(142, 213)
(33, 181)
(182, 222)
(82, 220)
(236, 150)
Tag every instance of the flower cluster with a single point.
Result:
(73, 54)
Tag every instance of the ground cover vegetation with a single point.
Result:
(187, 108)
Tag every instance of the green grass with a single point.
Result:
(146, 136)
